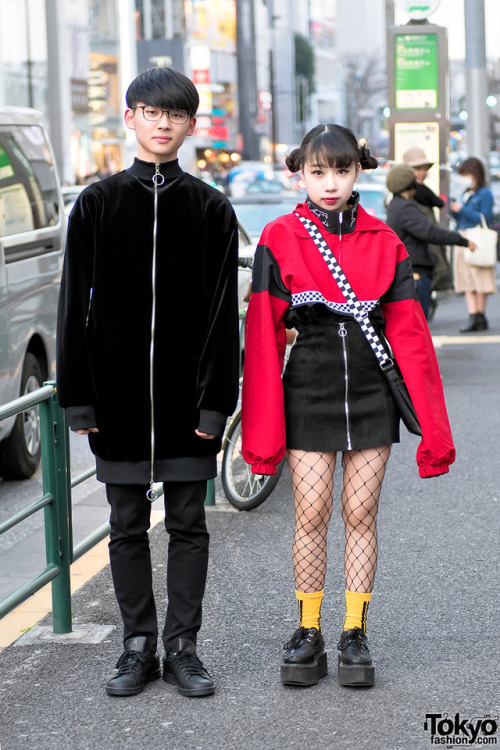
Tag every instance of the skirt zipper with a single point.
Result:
(343, 333)
(158, 179)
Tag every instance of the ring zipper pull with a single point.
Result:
(158, 178)
(152, 494)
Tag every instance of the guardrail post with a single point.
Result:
(57, 481)
(210, 496)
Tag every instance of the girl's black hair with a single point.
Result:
(475, 168)
(163, 87)
(330, 145)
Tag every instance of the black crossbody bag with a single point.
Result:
(388, 365)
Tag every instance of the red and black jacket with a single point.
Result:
(289, 271)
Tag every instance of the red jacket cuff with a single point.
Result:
(263, 468)
(433, 471)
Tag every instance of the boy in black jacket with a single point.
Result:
(416, 231)
(148, 367)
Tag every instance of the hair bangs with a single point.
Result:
(331, 149)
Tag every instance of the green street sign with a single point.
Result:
(416, 71)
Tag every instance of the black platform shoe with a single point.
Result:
(135, 668)
(184, 669)
(355, 661)
(305, 660)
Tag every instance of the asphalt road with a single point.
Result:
(433, 623)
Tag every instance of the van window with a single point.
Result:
(28, 186)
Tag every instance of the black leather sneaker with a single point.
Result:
(184, 669)
(305, 659)
(355, 660)
(135, 668)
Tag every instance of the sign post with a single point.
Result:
(417, 58)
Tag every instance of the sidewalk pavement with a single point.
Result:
(433, 623)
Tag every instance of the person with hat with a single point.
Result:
(427, 200)
(416, 231)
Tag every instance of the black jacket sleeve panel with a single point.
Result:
(75, 381)
(266, 275)
(403, 285)
(218, 371)
(409, 219)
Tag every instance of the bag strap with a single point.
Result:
(358, 311)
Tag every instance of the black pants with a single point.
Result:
(187, 563)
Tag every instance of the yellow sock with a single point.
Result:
(309, 609)
(356, 609)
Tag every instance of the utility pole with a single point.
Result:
(476, 81)
(247, 79)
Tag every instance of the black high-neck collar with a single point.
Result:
(332, 220)
(145, 170)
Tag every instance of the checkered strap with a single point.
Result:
(359, 312)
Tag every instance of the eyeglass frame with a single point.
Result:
(163, 111)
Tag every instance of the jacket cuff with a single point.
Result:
(81, 417)
(433, 471)
(212, 422)
(263, 468)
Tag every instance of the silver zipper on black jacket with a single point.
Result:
(158, 179)
(343, 333)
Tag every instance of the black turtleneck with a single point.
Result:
(331, 219)
(144, 170)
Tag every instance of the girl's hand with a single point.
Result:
(205, 435)
(455, 206)
(472, 246)
(86, 431)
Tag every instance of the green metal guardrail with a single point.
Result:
(57, 507)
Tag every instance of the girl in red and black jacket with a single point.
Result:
(333, 395)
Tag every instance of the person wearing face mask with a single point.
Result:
(427, 201)
(476, 282)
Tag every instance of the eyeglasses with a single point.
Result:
(153, 114)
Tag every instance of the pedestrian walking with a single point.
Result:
(476, 282)
(416, 231)
(148, 368)
(334, 397)
(428, 201)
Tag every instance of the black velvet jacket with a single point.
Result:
(108, 335)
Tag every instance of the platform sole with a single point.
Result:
(356, 675)
(305, 674)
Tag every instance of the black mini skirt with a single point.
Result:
(336, 396)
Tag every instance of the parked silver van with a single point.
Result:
(32, 231)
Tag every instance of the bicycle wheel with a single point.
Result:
(243, 489)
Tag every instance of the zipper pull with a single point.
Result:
(342, 330)
(341, 219)
(151, 494)
(158, 178)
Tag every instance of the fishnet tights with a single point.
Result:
(312, 479)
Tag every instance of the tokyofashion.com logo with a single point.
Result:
(449, 730)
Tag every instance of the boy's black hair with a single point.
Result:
(163, 87)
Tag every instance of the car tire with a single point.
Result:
(20, 453)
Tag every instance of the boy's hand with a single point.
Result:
(205, 435)
(86, 431)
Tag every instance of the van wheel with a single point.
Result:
(20, 452)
